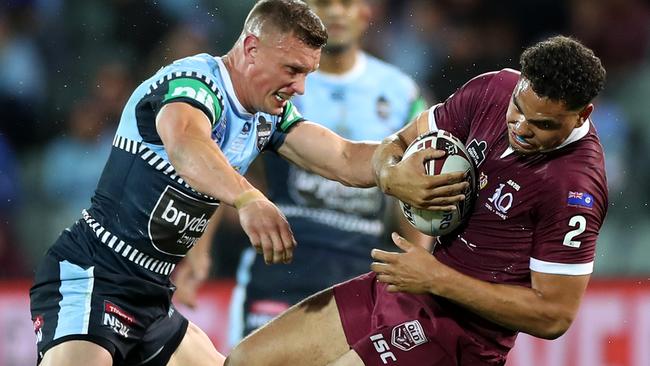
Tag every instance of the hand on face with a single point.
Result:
(408, 182)
(268, 231)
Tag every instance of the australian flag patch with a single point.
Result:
(581, 199)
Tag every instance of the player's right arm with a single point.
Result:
(185, 132)
(406, 179)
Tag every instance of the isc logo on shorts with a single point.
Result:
(382, 347)
(409, 335)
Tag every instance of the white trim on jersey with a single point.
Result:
(230, 89)
(509, 150)
(576, 134)
(433, 126)
(572, 269)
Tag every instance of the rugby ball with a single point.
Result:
(456, 159)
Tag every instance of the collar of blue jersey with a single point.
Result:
(359, 67)
(230, 90)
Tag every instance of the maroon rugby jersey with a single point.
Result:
(540, 212)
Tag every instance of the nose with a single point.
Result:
(298, 85)
(521, 127)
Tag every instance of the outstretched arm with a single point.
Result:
(317, 149)
(545, 310)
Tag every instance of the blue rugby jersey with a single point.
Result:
(142, 209)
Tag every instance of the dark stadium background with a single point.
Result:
(67, 67)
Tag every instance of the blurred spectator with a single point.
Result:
(11, 259)
(111, 89)
(23, 89)
(614, 131)
(9, 190)
(617, 30)
(470, 52)
(414, 41)
(73, 162)
(631, 95)
(180, 41)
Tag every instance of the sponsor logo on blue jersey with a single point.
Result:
(581, 199)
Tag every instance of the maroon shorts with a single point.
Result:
(405, 329)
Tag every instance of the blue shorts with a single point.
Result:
(80, 299)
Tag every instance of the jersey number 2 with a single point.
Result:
(580, 224)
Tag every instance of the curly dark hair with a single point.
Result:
(563, 69)
(288, 16)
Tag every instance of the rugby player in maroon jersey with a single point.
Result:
(522, 261)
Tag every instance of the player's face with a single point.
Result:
(537, 124)
(279, 66)
(345, 20)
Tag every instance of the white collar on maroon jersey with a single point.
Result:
(575, 135)
(230, 90)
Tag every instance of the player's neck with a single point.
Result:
(236, 78)
(338, 62)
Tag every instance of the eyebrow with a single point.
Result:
(553, 123)
(299, 68)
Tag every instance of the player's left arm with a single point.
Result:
(317, 149)
(546, 310)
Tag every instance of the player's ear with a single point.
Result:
(251, 47)
(584, 114)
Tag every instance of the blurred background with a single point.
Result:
(68, 66)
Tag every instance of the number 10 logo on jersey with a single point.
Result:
(501, 201)
(177, 221)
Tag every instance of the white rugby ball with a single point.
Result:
(456, 159)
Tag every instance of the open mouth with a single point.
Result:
(281, 97)
(521, 141)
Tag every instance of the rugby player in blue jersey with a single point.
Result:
(360, 98)
(102, 294)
